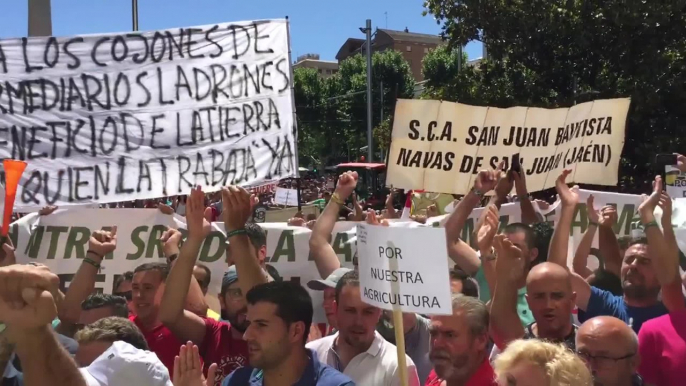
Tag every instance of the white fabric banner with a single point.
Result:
(118, 117)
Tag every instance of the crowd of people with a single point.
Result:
(514, 295)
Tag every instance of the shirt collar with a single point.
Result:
(373, 349)
(484, 375)
(309, 377)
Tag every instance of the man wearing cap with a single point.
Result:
(328, 286)
(124, 365)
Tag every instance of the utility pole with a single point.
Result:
(370, 147)
(383, 145)
(134, 14)
(40, 18)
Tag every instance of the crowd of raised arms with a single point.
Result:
(513, 299)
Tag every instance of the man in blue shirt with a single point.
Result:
(279, 317)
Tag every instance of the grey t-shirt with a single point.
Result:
(417, 345)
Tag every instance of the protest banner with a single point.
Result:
(139, 115)
(404, 269)
(675, 182)
(286, 197)
(441, 146)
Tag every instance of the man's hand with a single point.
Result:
(488, 230)
(681, 163)
(389, 204)
(47, 210)
(510, 263)
(296, 222)
(165, 209)
(542, 205)
(238, 205)
(7, 256)
(647, 208)
(188, 370)
(103, 242)
(486, 180)
(26, 301)
(171, 241)
(520, 183)
(504, 185)
(198, 227)
(346, 184)
(373, 220)
(593, 215)
(666, 205)
(608, 216)
(568, 197)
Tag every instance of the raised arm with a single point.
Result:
(27, 307)
(468, 262)
(484, 239)
(526, 206)
(580, 262)
(607, 241)
(559, 244)
(184, 324)
(505, 325)
(322, 252)
(100, 244)
(238, 205)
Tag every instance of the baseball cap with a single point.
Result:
(230, 277)
(124, 365)
(330, 281)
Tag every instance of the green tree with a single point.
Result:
(551, 53)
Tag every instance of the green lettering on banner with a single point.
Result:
(205, 255)
(138, 242)
(623, 225)
(77, 240)
(341, 246)
(55, 232)
(33, 246)
(284, 247)
(154, 241)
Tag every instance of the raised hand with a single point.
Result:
(487, 180)
(568, 197)
(188, 369)
(171, 240)
(238, 206)
(346, 184)
(608, 216)
(649, 203)
(47, 210)
(7, 256)
(666, 205)
(510, 263)
(593, 215)
(103, 242)
(520, 183)
(296, 222)
(198, 226)
(372, 219)
(505, 182)
(26, 300)
(165, 209)
(681, 163)
(488, 230)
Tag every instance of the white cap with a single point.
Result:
(124, 365)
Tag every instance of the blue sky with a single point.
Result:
(317, 26)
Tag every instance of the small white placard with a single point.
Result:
(287, 197)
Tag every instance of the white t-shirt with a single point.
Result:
(377, 366)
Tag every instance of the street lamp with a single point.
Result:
(368, 31)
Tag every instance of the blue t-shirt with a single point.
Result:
(604, 303)
(316, 373)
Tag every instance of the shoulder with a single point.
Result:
(238, 377)
(331, 377)
(321, 344)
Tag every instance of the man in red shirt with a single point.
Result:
(218, 342)
(459, 345)
(147, 289)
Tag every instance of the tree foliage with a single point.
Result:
(552, 53)
(332, 112)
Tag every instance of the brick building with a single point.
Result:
(413, 46)
(325, 68)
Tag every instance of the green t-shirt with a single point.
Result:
(525, 315)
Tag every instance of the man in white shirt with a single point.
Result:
(357, 350)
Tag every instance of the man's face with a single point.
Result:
(270, 340)
(456, 286)
(91, 316)
(638, 276)
(519, 239)
(124, 289)
(328, 305)
(234, 307)
(88, 352)
(201, 276)
(455, 352)
(356, 319)
(147, 290)
(551, 301)
(601, 354)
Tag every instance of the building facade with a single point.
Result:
(325, 68)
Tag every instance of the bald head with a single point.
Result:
(609, 329)
(549, 272)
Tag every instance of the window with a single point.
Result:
(409, 48)
(426, 50)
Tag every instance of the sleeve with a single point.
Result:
(480, 277)
(212, 334)
(648, 352)
(601, 303)
(412, 376)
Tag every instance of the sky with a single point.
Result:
(317, 26)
